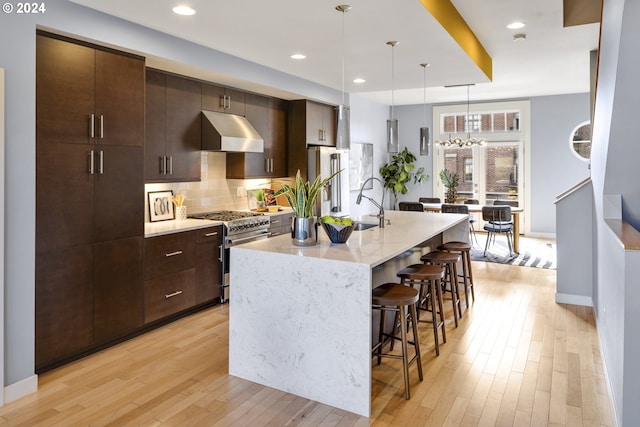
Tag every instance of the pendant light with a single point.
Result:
(470, 141)
(424, 131)
(457, 141)
(393, 145)
(343, 141)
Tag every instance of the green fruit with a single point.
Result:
(330, 220)
(347, 221)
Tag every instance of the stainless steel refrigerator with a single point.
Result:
(324, 161)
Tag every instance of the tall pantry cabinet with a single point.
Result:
(89, 197)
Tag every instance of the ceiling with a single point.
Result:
(551, 60)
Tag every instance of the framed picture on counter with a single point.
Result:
(161, 205)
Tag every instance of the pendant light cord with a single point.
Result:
(343, 52)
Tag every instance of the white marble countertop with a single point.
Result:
(159, 228)
(373, 246)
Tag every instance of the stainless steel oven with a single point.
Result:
(239, 227)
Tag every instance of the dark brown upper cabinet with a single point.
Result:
(96, 96)
(223, 99)
(172, 125)
(314, 123)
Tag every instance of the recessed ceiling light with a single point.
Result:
(184, 10)
(297, 56)
(516, 25)
(359, 80)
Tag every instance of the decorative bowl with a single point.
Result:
(338, 233)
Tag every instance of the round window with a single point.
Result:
(581, 141)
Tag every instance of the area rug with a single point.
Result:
(538, 253)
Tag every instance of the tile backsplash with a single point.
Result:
(214, 191)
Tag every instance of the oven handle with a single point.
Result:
(254, 237)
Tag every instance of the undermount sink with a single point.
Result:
(360, 226)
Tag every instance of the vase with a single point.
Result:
(304, 231)
(451, 195)
(181, 212)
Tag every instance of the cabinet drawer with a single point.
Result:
(169, 294)
(168, 254)
(209, 235)
(280, 224)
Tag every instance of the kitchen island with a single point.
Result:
(300, 318)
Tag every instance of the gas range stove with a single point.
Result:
(237, 222)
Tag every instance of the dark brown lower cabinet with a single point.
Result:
(117, 288)
(64, 303)
(208, 264)
(169, 294)
(182, 270)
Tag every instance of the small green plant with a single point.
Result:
(302, 195)
(260, 195)
(399, 172)
(449, 179)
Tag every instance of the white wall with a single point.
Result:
(614, 168)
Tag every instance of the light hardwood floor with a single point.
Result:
(517, 359)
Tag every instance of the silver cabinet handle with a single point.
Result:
(215, 233)
(223, 101)
(272, 164)
(91, 160)
(101, 163)
(228, 101)
(92, 124)
(275, 221)
(173, 253)
(162, 169)
(174, 294)
(166, 165)
(320, 133)
(170, 165)
(221, 252)
(266, 165)
(101, 126)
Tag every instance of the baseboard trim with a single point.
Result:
(574, 299)
(20, 389)
(541, 235)
(607, 378)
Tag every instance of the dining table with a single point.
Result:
(515, 213)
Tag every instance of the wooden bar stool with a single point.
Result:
(464, 249)
(429, 278)
(396, 297)
(449, 261)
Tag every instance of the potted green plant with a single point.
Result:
(450, 181)
(399, 172)
(260, 198)
(302, 197)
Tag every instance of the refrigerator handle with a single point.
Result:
(335, 183)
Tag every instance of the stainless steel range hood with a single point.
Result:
(229, 132)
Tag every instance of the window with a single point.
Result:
(580, 141)
(468, 169)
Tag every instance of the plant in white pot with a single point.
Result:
(302, 197)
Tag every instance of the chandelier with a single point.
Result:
(457, 141)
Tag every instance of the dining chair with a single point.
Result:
(429, 200)
(498, 220)
(460, 209)
(512, 203)
(411, 206)
(472, 216)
